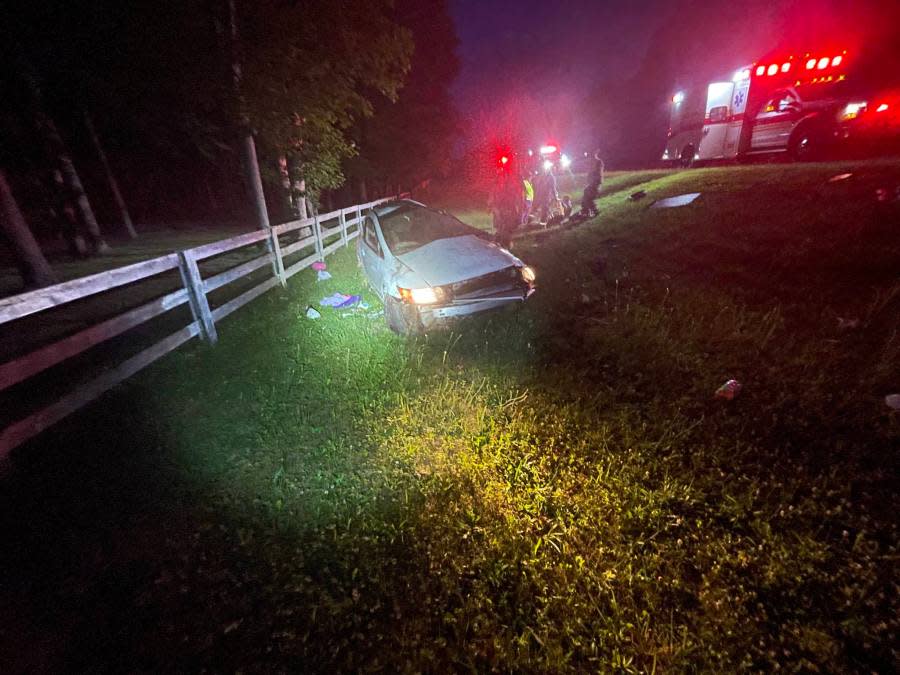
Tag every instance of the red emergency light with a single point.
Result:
(504, 160)
(785, 67)
(810, 64)
(548, 149)
(761, 70)
(823, 63)
(882, 108)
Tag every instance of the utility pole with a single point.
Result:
(249, 160)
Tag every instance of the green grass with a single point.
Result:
(554, 489)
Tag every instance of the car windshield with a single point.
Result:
(410, 227)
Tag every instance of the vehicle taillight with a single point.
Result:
(785, 67)
(810, 64)
(882, 108)
(823, 63)
(772, 69)
(836, 61)
(760, 70)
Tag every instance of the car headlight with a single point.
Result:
(528, 274)
(422, 296)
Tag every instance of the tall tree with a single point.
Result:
(121, 207)
(411, 139)
(30, 260)
(61, 157)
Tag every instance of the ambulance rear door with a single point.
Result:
(715, 125)
(737, 118)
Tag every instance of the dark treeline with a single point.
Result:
(116, 113)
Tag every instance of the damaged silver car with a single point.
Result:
(430, 268)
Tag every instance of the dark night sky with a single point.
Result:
(546, 55)
(538, 60)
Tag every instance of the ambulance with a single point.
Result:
(806, 105)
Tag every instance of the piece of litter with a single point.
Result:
(847, 324)
(839, 177)
(318, 266)
(375, 315)
(679, 200)
(893, 401)
(313, 313)
(635, 196)
(322, 275)
(334, 300)
(350, 301)
(729, 390)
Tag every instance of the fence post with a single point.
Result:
(193, 282)
(359, 221)
(318, 232)
(342, 219)
(277, 260)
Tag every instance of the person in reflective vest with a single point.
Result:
(529, 199)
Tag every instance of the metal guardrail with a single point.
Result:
(194, 292)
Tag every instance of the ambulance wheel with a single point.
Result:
(805, 145)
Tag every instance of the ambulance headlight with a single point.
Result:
(853, 110)
(565, 162)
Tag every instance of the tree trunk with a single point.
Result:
(110, 177)
(290, 206)
(60, 154)
(249, 161)
(30, 260)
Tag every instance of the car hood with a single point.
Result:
(447, 261)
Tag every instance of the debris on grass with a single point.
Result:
(323, 275)
(313, 313)
(839, 177)
(893, 401)
(319, 266)
(678, 200)
(729, 391)
(847, 324)
(340, 300)
(637, 196)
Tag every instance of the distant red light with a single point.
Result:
(785, 67)
(810, 64)
(823, 63)
(772, 69)
(504, 159)
(836, 61)
(760, 70)
(882, 107)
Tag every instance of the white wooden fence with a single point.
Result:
(194, 291)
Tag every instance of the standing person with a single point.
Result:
(592, 189)
(506, 206)
(529, 199)
(549, 194)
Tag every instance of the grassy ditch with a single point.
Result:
(553, 489)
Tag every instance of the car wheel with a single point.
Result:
(401, 318)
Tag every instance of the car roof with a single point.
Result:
(390, 207)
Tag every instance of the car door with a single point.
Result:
(371, 255)
(775, 121)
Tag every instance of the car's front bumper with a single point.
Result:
(432, 317)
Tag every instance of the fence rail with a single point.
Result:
(194, 292)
